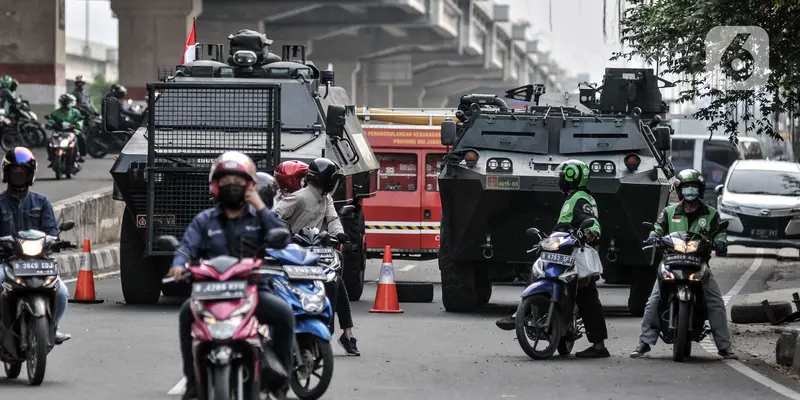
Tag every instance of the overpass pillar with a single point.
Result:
(32, 49)
(152, 34)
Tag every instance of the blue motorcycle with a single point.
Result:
(296, 277)
(547, 309)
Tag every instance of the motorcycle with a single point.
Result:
(548, 304)
(30, 129)
(230, 348)
(28, 301)
(100, 143)
(9, 137)
(684, 266)
(63, 147)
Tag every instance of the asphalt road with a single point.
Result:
(124, 352)
(94, 176)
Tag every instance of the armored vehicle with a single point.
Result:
(498, 179)
(269, 107)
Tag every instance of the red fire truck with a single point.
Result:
(405, 212)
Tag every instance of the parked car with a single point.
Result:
(761, 201)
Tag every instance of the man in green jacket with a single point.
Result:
(573, 180)
(67, 113)
(689, 215)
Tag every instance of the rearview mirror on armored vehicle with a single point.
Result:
(167, 242)
(334, 120)
(588, 223)
(110, 109)
(648, 225)
(66, 226)
(663, 138)
(277, 238)
(448, 132)
(532, 233)
(347, 210)
(718, 190)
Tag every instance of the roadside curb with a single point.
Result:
(103, 260)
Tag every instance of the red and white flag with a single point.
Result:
(188, 49)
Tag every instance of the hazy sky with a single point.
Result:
(576, 40)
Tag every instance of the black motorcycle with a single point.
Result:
(682, 311)
(28, 300)
(63, 147)
(100, 143)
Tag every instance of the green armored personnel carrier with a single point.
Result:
(498, 179)
(271, 108)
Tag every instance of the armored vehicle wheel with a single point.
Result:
(483, 286)
(458, 287)
(140, 280)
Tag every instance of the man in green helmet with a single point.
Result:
(689, 215)
(66, 112)
(573, 180)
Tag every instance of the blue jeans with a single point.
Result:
(61, 297)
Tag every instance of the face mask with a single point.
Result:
(690, 193)
(231, 196)
(18, 181)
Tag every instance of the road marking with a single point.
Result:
(408, 268)
(106, 275)
(178, 389)
(708, 344)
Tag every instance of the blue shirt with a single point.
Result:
(206, 238)
(30, 211)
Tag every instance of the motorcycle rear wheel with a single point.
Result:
(12, 369)
(541, 304)
(8, 140)
(38, 347)
(682, 332)
(313, 351)
(95, 146)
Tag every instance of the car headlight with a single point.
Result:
(549, 244)
(32, 248)
(729, 208)
(665, 275)
(64, 143)
(679, 245)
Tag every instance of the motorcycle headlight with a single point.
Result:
(312, 303)
(64, 143)
(32, 248)
(691, 247)
(679, 245)
(549, 244)
(222, 330)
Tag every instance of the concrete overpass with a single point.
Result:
(399, 53)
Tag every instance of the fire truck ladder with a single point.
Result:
(406, 116)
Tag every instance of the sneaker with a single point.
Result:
(728, 354)
(506, 323)
(593, 352)
(641, 349)
(62, 337)
(349, 346)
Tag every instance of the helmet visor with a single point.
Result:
(23, 155)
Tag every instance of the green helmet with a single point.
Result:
(572, 175)
(6, 81)
(689, 176)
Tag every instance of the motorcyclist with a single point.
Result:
(28, 210)
(66, 112)
(290, 175)
(8, 93)
(120, 92)
(242, 217)
(689, 215)
(83, 100)
(573, 178)
(312, 206)
(267, 188)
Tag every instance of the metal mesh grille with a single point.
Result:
(179, 197)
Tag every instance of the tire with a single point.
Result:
(8, 141)
(542, 302)
(66, 167)
(414, 292)
(753, 313)
(95, 147)
(139, 278)
(681, 332)
(458, 288)
(687, 352)
(38, 341)
(57, 165)
(323, 352)
(483, 286)
(222, 382)
(567, 343)
(12, 369)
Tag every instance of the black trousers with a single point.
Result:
(271, 310)
(340, 301)
(591, 310)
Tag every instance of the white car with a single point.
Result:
(761, 201)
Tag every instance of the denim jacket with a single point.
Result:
(31, 211)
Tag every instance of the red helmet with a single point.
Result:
(231, 163)
(290, 174)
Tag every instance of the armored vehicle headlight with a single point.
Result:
(608, 167)
(506, 164)
(244, 58)
(492, 164)
(596, 167)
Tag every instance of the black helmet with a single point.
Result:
(572, 175)
(66, 100)
(267, 188)
(22, 157)
(690, 176)
(120, 92)
(324, 174)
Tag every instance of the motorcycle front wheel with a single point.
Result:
(38, 347)
(12, 369)
(314, 360)
(682, 332)
(57, 167)
(532, 315)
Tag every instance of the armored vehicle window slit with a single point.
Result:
(398, 172)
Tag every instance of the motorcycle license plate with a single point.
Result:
(34, 268)
(561, 259)
(682, 259)
(304, 273)
(219, 290)
(324, 251)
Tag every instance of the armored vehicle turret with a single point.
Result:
(498, 179)
(269, 107)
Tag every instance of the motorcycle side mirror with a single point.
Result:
(278, 237)
(110, 109)
(324, 237)
(649, 225)
(168, 242)
(588, 223)
(723, 225)
(66, 226)
(532, 233)
(347, 210)
(8, 244)
(718, 190)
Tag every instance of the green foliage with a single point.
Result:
(98, 88)
(673, 32)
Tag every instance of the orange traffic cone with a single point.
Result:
(386, 298)
(84, 290)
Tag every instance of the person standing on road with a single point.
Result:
(689, 215)
(573, 179)
(83, 100)
(23, 210)
(238, 227)
(312, 207)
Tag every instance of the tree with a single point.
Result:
(672, 34)
(98, 88)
